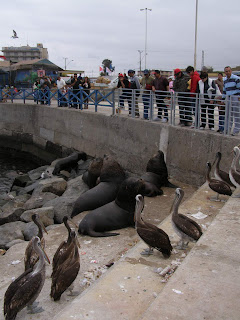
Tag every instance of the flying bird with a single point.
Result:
(15, 36)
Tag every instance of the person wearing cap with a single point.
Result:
(124, 84)
(160, 83)
(195, 78)
(147, 83)
(134, 85)
(181, 85)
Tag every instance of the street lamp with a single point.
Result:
(195, 46)
(66, 64)
(146, 10)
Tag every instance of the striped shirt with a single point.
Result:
(231, 86)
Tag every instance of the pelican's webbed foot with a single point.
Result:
(147, 252)
(32, 308)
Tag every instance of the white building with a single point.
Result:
(16, 54)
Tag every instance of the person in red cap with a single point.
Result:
(124, 84)
(181, 85)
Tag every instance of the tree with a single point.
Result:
(107, 64)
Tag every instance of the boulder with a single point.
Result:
(21, 180)
(39, 200)
(13, 242)
(61, 207)
(14, 215)
(75, 187)
(29, 189)
(17, 202)
(46, 215)
(54, 185)
(30, 231)
(35, 174)
(11, 231)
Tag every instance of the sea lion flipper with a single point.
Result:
(170, 185)
(93, 233)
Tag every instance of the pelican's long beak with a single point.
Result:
(45, 255)
(173, 203)
(73, 223)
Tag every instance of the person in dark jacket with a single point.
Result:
(86, 88)
(124, 84)
(182, 85)
(207, 89)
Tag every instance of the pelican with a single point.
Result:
(66, 269)
(186, 228)
(154, 237)
(31, 256)
(63, 245)
(234, 174)
(27, 287)
(218, 186)
(220, 174)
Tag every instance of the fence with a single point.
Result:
(179, 108)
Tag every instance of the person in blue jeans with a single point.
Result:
(147, 83)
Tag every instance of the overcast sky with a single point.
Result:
(93, 30)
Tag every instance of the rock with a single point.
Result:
(38, 201)
(29, 189)
(46, 215)
(13, 242)
(83, 166)
(14, 215)
(75, 187)
(21, 180)
(61, 207)
(17, 202)
(11, 231)
(35, 174)
(30, 231)
(55, 185)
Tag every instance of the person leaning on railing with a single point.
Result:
(147, 83)
(181, 85)
(207, 89)
(231, 89)
(218, 98)
(135, 88)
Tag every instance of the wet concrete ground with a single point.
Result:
(95, 254)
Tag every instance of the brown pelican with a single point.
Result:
(25, 289)
(31, 256)
(234, 174)
(220, 174)
(186, 228)
(218, 186)
(63, 245)
(154, 237)
(66, 269)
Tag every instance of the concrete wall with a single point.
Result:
(49, 132)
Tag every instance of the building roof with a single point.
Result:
(4, 64)
(28, 64)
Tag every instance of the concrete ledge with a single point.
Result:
(131, 286)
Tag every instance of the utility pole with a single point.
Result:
(146, 10)
(195, 46)
(140, 52)
(202, 60)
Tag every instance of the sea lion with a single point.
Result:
(116, 214)
(112, 175)
(91, 176)
(156, 176)
(69, 162)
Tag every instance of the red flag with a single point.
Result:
(100, 69)
(3, 57)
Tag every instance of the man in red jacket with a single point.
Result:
(194, 81)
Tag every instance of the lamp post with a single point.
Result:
(66, 64)
(140, 52)
(146, 10)
(195, 46)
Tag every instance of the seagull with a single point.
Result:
(15, 36)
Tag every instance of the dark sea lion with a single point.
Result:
(93, 173)
(116, 214)
(112, 175)
(156, 175)
(69, 162)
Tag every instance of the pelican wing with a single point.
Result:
(236, 176)
(188, 226)
(157, 239)
(220, 187)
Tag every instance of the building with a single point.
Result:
(16, 54)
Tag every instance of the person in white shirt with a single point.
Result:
(61, 85)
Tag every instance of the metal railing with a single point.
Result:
(178, 109)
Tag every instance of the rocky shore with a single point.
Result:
(38, 191)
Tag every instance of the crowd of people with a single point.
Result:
(76, 82)
(193, 90)
(189, 85)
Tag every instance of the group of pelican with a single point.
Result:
(24, 291)
(224, 182)
(186, 228)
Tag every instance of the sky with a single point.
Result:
(87, 32)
